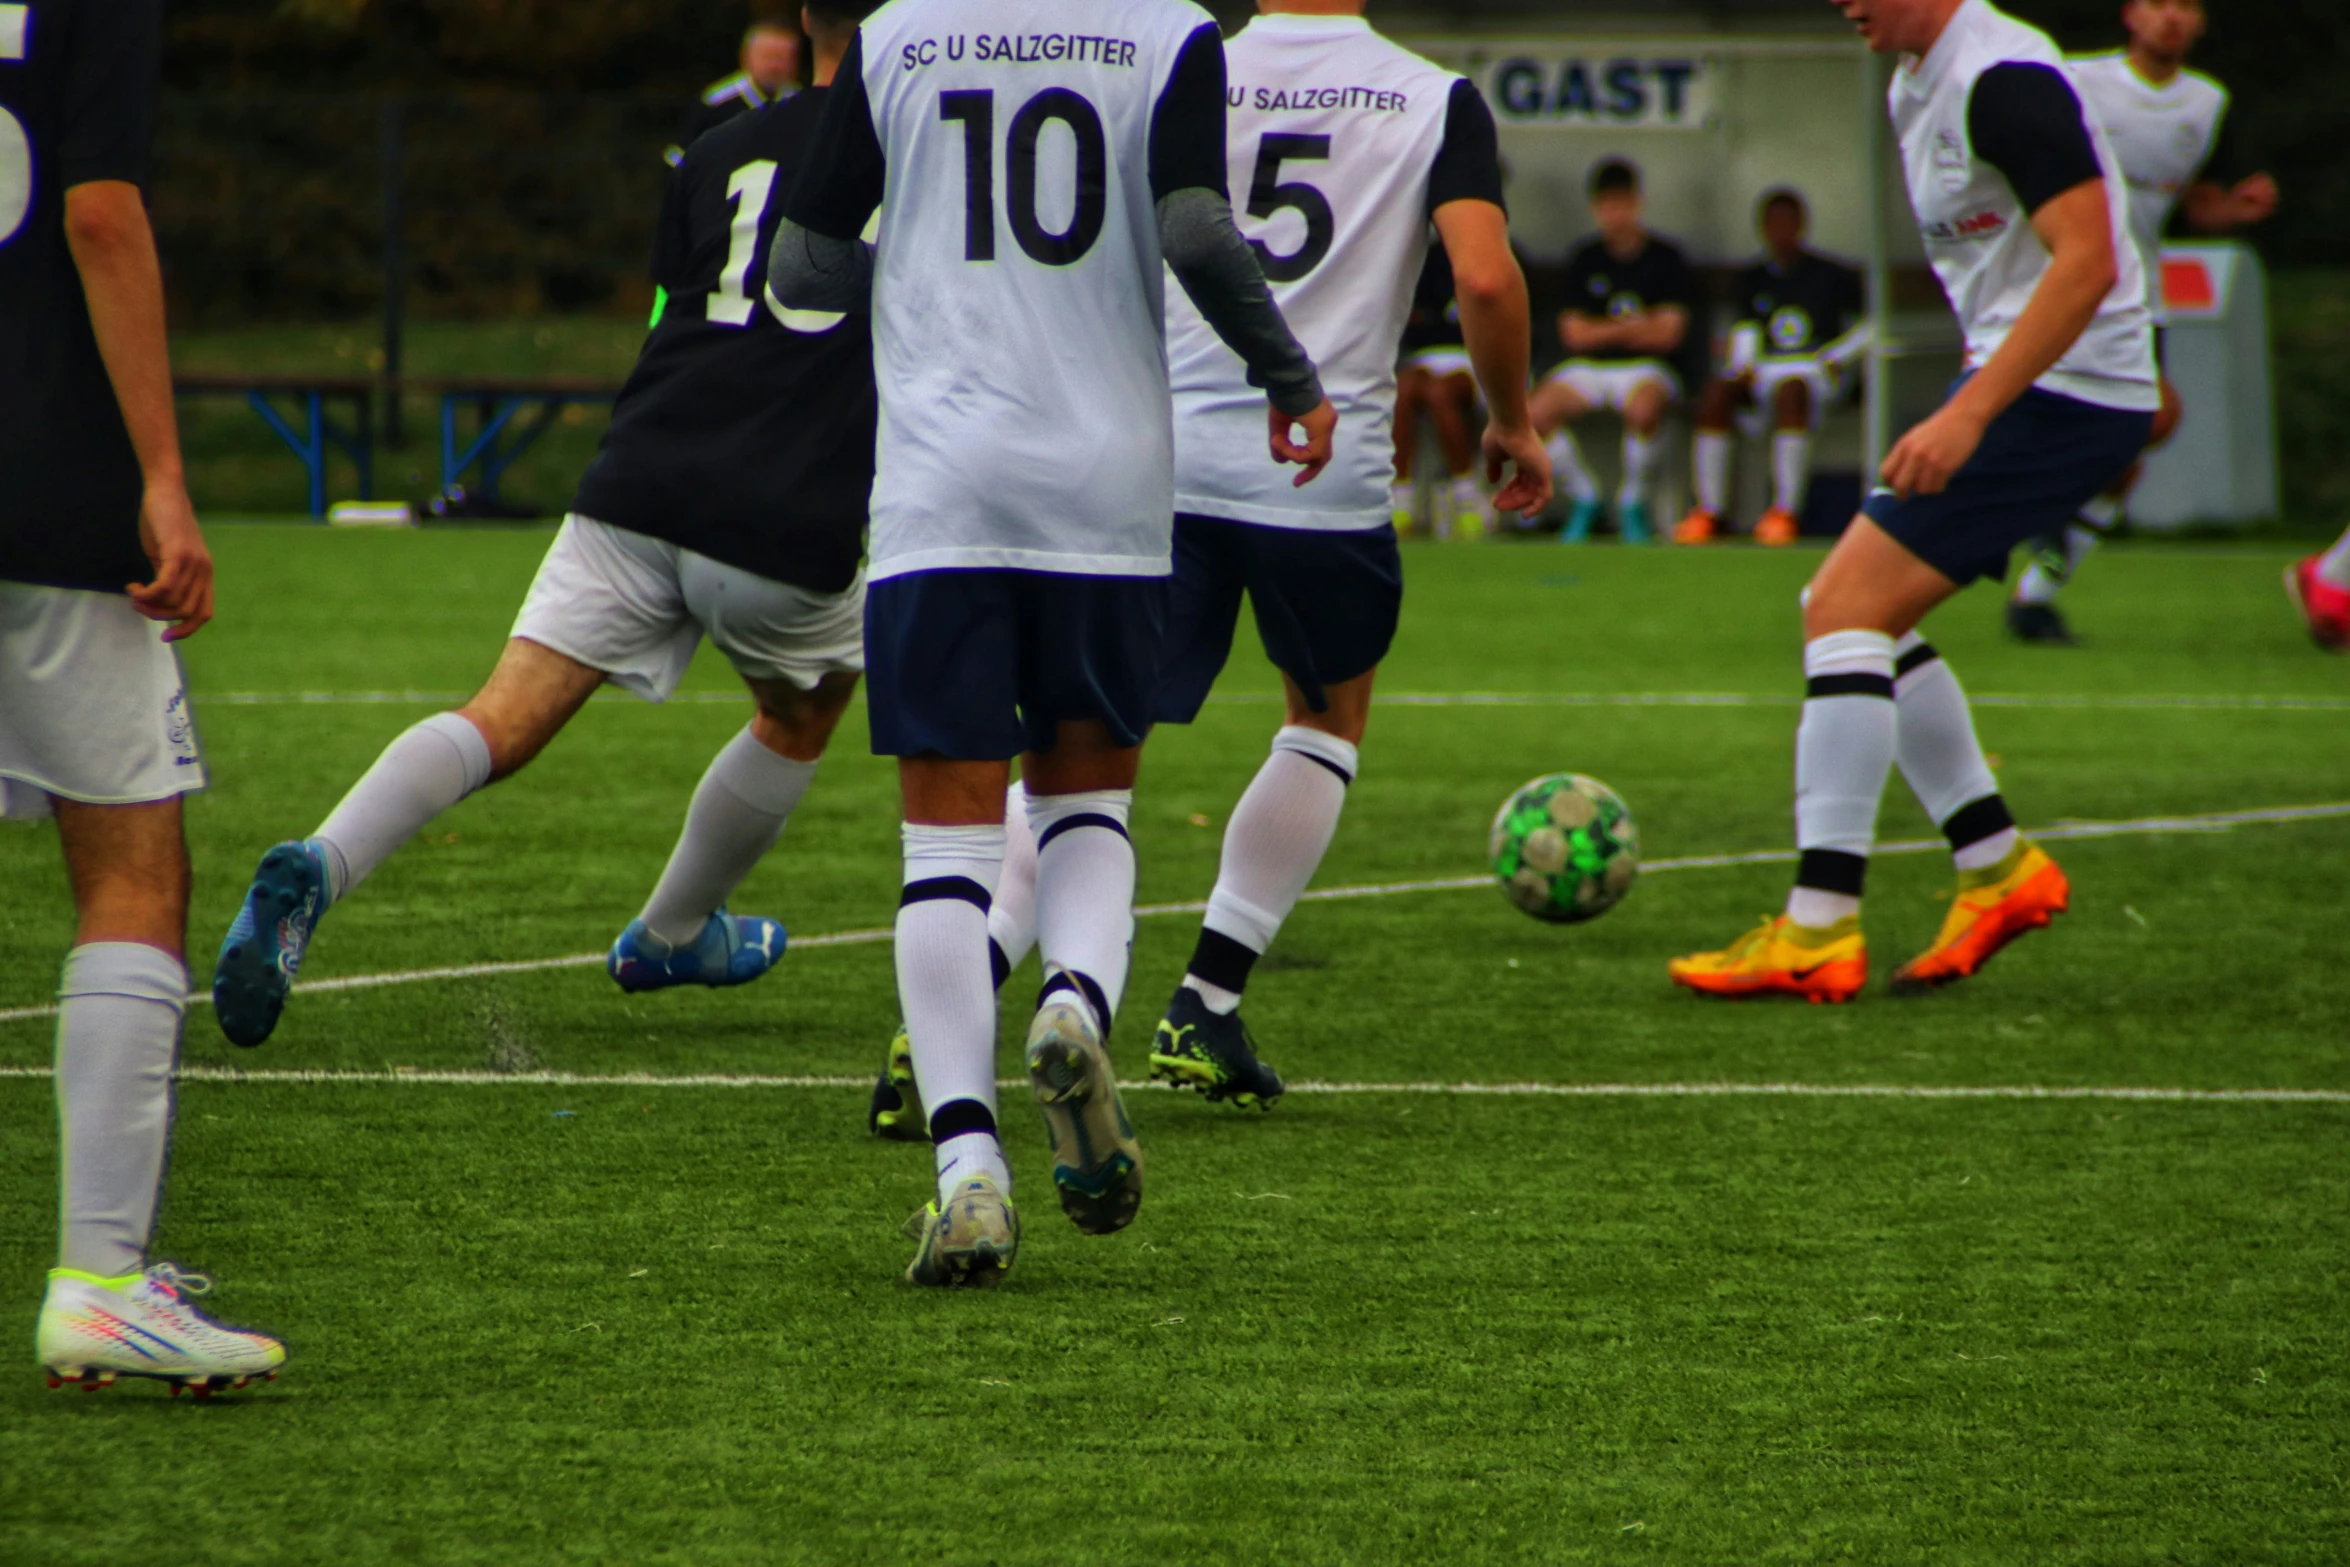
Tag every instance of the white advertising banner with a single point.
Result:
(1647, 90)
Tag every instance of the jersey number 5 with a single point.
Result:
(16, 149)
(976, 110)
(1268, 195)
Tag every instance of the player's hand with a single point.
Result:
(1923, 461)
(2253, 200)
(181, 590)
(1314, 452)
(1529, 488)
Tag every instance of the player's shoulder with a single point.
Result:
(779, 126)
(1997, 38)
(2097, 64)
(2207, 90)
(1662, 251)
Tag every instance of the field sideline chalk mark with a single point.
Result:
(2222, 702)
(427, 1078)
(2216, 821)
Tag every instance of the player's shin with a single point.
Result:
(1844, 749)
(946, 987)
(425, 771)
(1943, 761)
(738, 813)
(1085, 893)
(118, 1030)
(1011, 918)
(1710, 464)
(1790, 470)
(1275, 841)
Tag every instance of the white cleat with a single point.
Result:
(141, 1325)
(968, 1240)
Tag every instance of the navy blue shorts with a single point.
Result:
(979, 666)
(1326, 605)
(2041, 460)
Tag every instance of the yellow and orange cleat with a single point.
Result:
(1699, 527)
(1775, 528)
(1994, 906)
(1781, 958)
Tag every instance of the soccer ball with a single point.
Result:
(1565, 848)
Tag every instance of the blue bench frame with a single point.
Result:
(310, 444)
(505, 433)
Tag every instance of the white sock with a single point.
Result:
(118, 1034)
(1011, 922)
(1403, 498)
(966, 1154)
(1711, 462)
(1272, 846)
(1843, 750)
(1467, 499)
(1566, 467)
(2334, 565)
(1085, 892)
(738, 812)
(1790, 469)
(946, 989)
(421, 774)
(1942, 760)
(1641, 453)
(2101, 512)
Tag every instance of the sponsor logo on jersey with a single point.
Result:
(1982, 225)
(1790, 327)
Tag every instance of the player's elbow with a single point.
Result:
(104, 217)
(1488, 287)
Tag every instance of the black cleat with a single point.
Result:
(896, 1111)
(1196, 1048)
(2039, 623)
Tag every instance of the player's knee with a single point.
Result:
(1791, 404)
(1717, 405)
(513, 738)
(2166, 422)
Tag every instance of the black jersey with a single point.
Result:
(723, 100)
(1435, 320)
(1599, 284)
(1800, 308)
(78, 80)
(745, 432)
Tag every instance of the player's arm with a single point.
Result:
(817, 261)
(1585, 333)
(1659, 330)
(1843, 351)
(102, 158)
(1215, 266)
(2216, 204)
(1465, 201)
(2026, 121)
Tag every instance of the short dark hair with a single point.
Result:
(771, 22)
(1614, 177)
(841, 13)
(1780, 196)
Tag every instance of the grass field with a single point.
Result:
(548, 1318)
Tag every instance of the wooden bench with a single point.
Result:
(311, 396)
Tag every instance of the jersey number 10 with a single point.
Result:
(976, 110)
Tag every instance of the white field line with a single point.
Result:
(2223, 702)
(428, 1078)
(2216, 821)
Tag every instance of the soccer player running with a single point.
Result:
(1033, 162)
(1800, 324)
(1362, 172)
(2024, 221)
(1629, 298)
(727, 499)
(103, 571)
(2168, 129)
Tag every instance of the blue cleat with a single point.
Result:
(733, 949)
(1580, 522)
(1632, 521)
(263, 950)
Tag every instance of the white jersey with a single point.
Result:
(1331, 133)
(2161, 138)
(1978, 235)
(1018, 329)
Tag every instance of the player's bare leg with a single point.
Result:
(1414, 389)
(1710, 448)
(1791, 422)
(1274, 843)
(1452, 406)
(1553, 408)
(123, 997)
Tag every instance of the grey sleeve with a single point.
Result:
(811, 271)
(1220, 273)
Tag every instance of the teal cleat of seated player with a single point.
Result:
(263, 951)
(1632, 522)
(733, 949)
(1580, 522)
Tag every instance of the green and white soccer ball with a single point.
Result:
(1565, 848)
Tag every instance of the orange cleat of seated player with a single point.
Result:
(1994, 905)
(1781, 958)
(1699, 527)
(1775, 528)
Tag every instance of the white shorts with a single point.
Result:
(1610, 383)
(1768, 375)
(93, 704)
(636, 607)
(1441, 361)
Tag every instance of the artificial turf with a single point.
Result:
(554, 1321)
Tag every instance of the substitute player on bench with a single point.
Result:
(2025, 221)
(98, 545)
(1800, 324)
(1437, 379)
(727, 499)
(1038, 166)
(2168, 127)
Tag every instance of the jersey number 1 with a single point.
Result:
(976, 110)
(16, 149)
